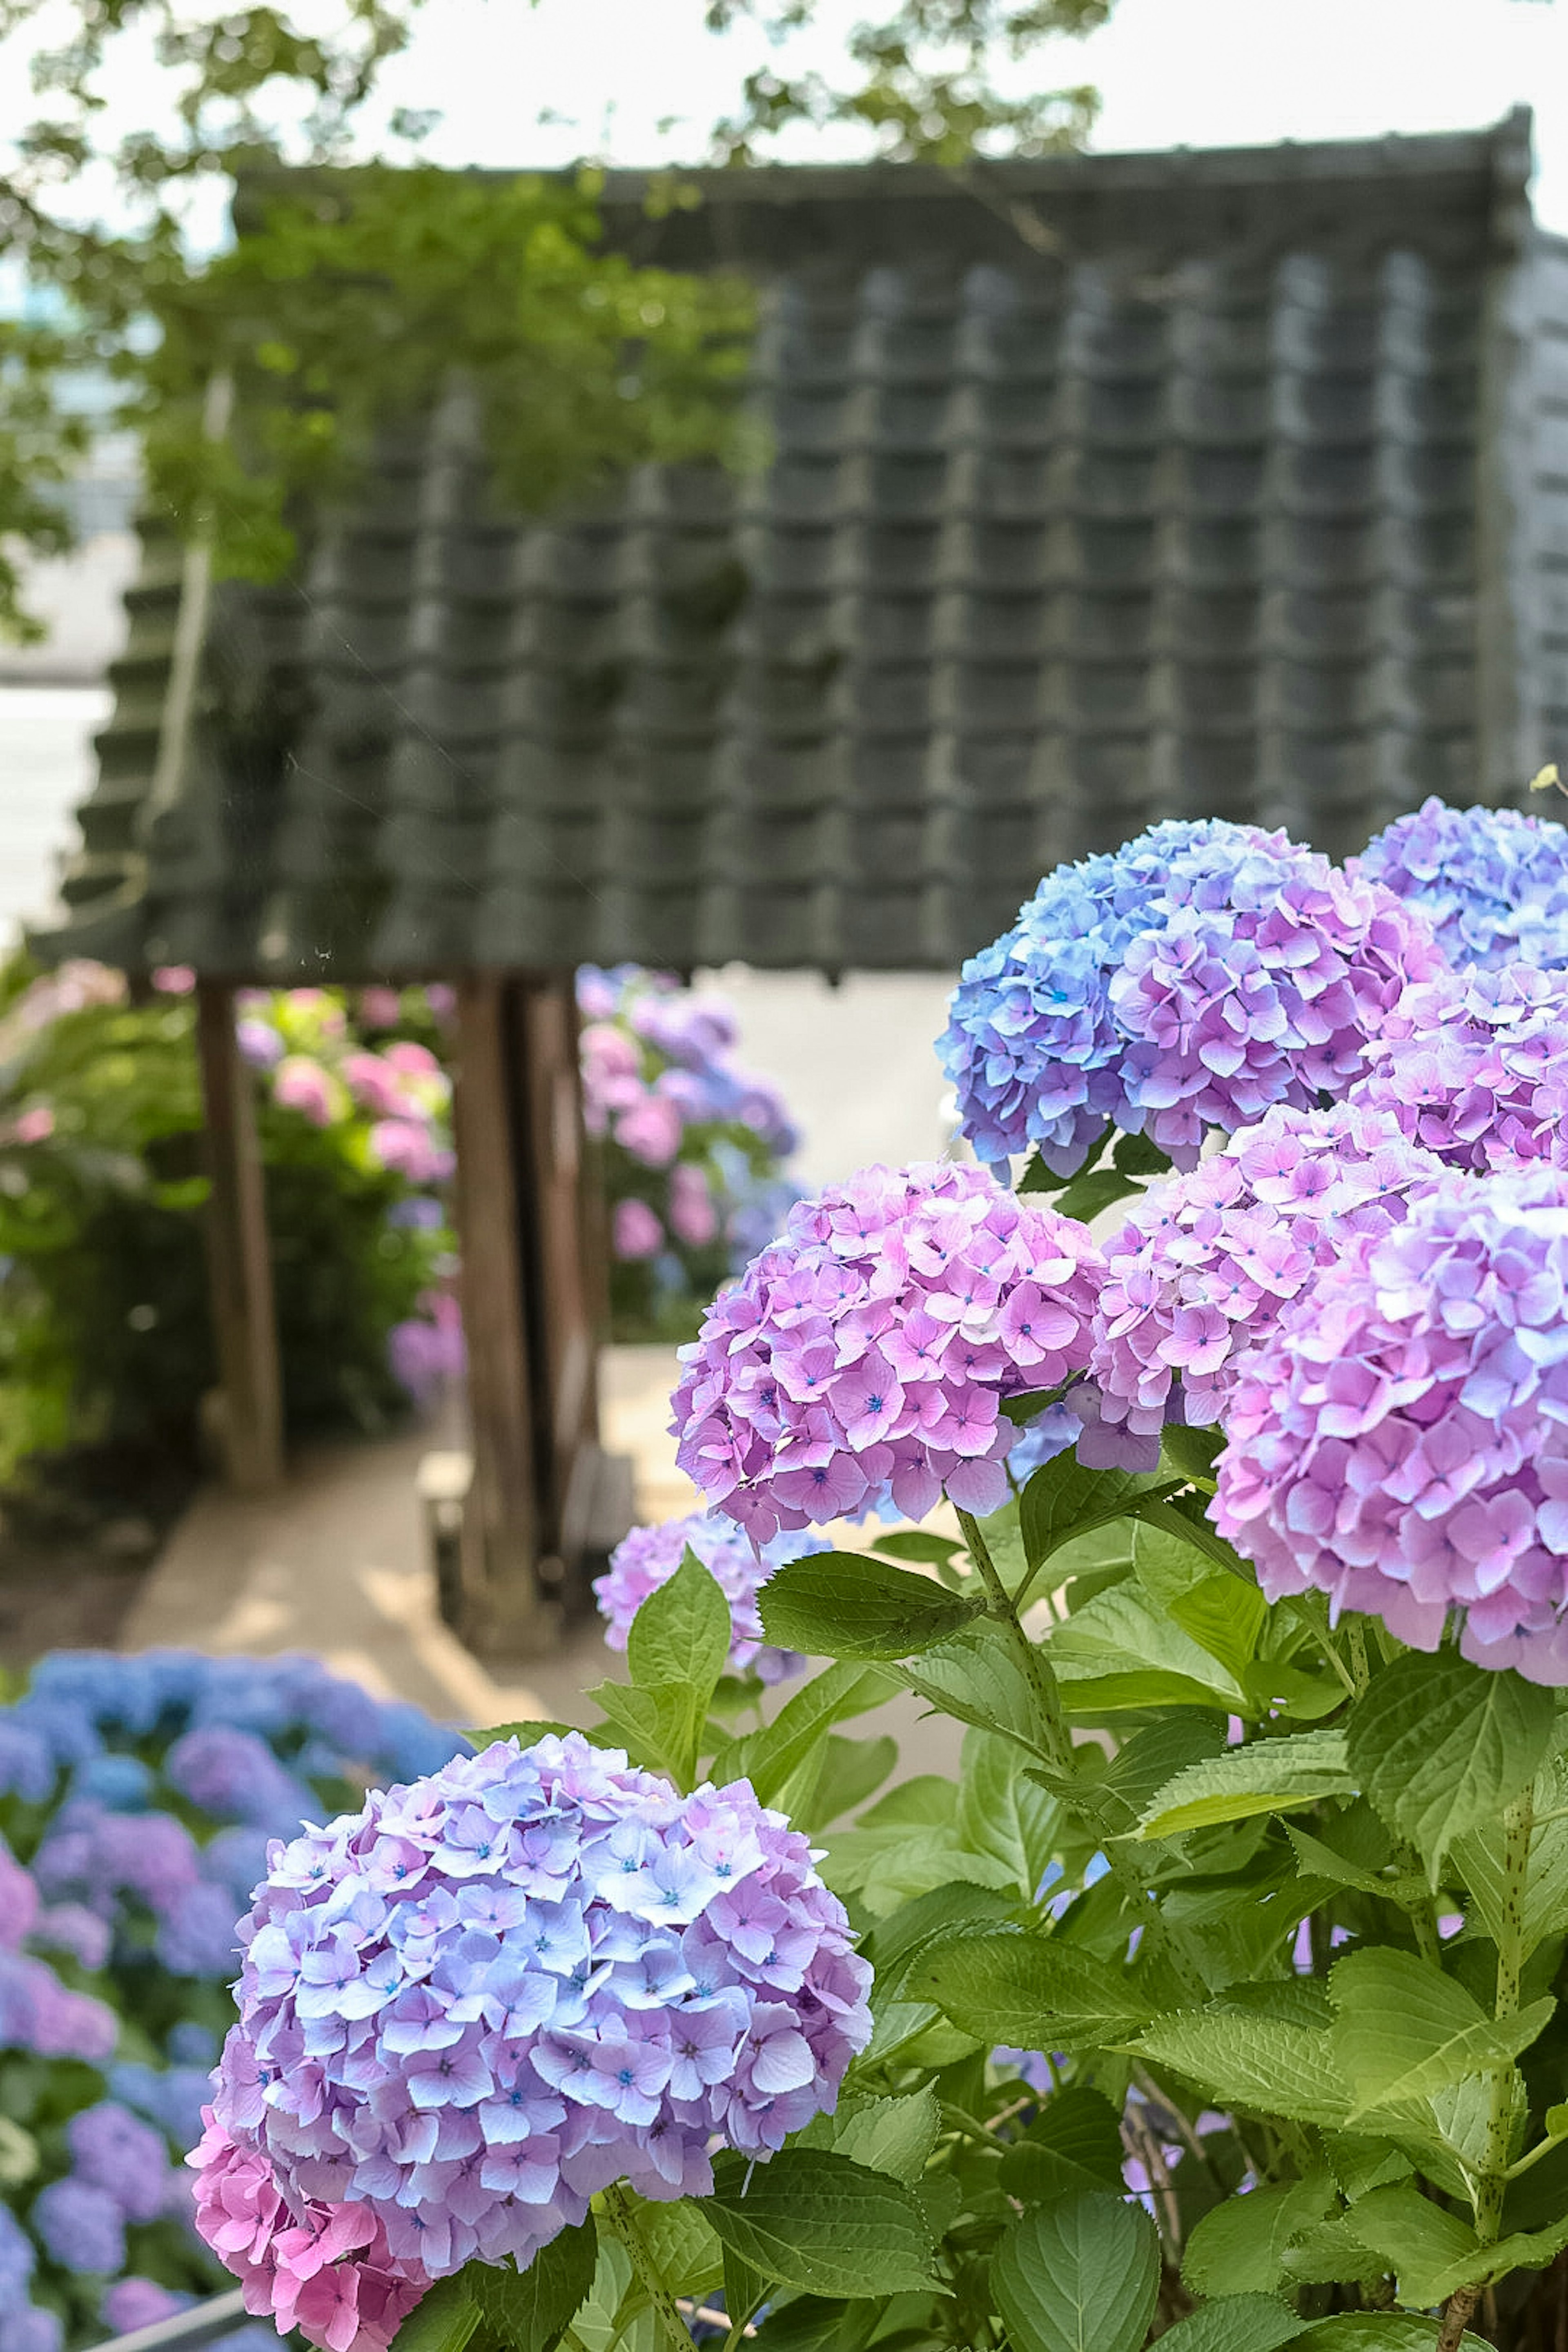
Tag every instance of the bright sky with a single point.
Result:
(639, 82)
(1171, 72)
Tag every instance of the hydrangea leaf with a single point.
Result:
(1237, 2323)
(1478, 1858)
(1379, 2331)
(1270, 1775)
(1080, 2277)
(1004, 1814)
(848, 1772)
(1063, 1499)
(893, 2136)
(682, 2244)
(443, 2319)
(681, 1632)
(1073, 2144)
(1237, 2247)
(1265, 2065)
(529, 2309)
(815, 2220)
(978, 1680)
(1416, 2240)
(1441, 1746)
(770, 1757)
(1029, 1991)
(847, 1605)
(1403, 2030)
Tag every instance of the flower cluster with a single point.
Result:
(1204, 1263)
(1474, 1065)
(1401, 1440)
(1493, 881)
(867, 1352)
(141, 1794)
(649, 1557)
(695, 1136)
(1198, 976)
(483, 1997)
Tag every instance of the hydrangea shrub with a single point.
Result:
(1194, 1977)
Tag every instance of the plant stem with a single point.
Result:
(1042, 1682)
(1518, 1825)
(1359, 1670)
(623, 2220)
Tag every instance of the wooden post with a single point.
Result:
(503, 1536)
(239, 1269)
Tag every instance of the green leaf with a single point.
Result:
(893, 2136)
(659, 1728)
(1074, 2143)
(1480, 1860)
(916, 1544)
(896, 1942)
(1412, 2237)
(770, 1757)
(1121, 1631)
(1080, 2276)
(1379, 2331)
(443, 2319)
(1149, 1758)
(1063, 1499)
(681, 1632)
(1266, 1776)
(1088, 1197)
(975, 1677)
(1237, 2247)
(1440, 1747)
(682, 2244)
(1003, 1814)
(529, 2309)
(841, 1604)
(1224, 1617)
(1193, 1452)
(1261, 2065)
(600, 2324)
(1032, 1991)
(1238, 2323)
(850, 1770)
(814, 2220)
(1403, 2030)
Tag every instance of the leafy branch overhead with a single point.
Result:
(359, 293)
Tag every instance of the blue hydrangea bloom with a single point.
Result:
(1187, 983)
(1493, 881)
(81, 2226)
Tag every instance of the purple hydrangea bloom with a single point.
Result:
(31, 2328)
(1400, 1441)
(81, 2226)
(132, 2303)
(38, 2013)
(116, 2151)
(234, 1776)
(1204, 1263)
(17, 2259)
(1198, 976)
(1494, 882)
(488, 1995)
(1474, 1065)
(649, 1556)
(867, 1351)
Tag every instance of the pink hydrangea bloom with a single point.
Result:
(407, 1147)
(302, 1084)
(635, 1232)
(1204, 1263)
(1400, 1440)
(868, 1352)
(649, 1556)
(650, 1131)
(1474, 1065)
(324, 2269)
(174, 979)
(693, 1212)
(380, 1008)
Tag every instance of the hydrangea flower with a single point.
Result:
(81, 2226)
(486, 1996)
(649, 1557)
(1193, 979)
(1474, 1065)
(1204, 1263)
(1400, 1441)
(114, 2150)
(1494, 882)
(868, 1352)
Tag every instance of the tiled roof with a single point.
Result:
(1101, 490)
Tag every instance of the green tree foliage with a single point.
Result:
(364, 284)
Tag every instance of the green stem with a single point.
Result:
(1518, 1825)
(1042, 1682)
(1360, 1673)
(618, 2212)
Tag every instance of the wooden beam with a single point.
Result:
(240, 1267)
(502, 1606)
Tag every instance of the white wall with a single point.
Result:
(45, 769)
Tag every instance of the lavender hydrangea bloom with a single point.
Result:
(1204, 1263)
(488, 1995)
(649, 1557)
(1198, 976)
(1401, 1440)
(81, 2226)
(1493, 881)
(115, 2151)
(31, 2328)
(1473, 1066)
(867, 1351)
(234, 1775)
